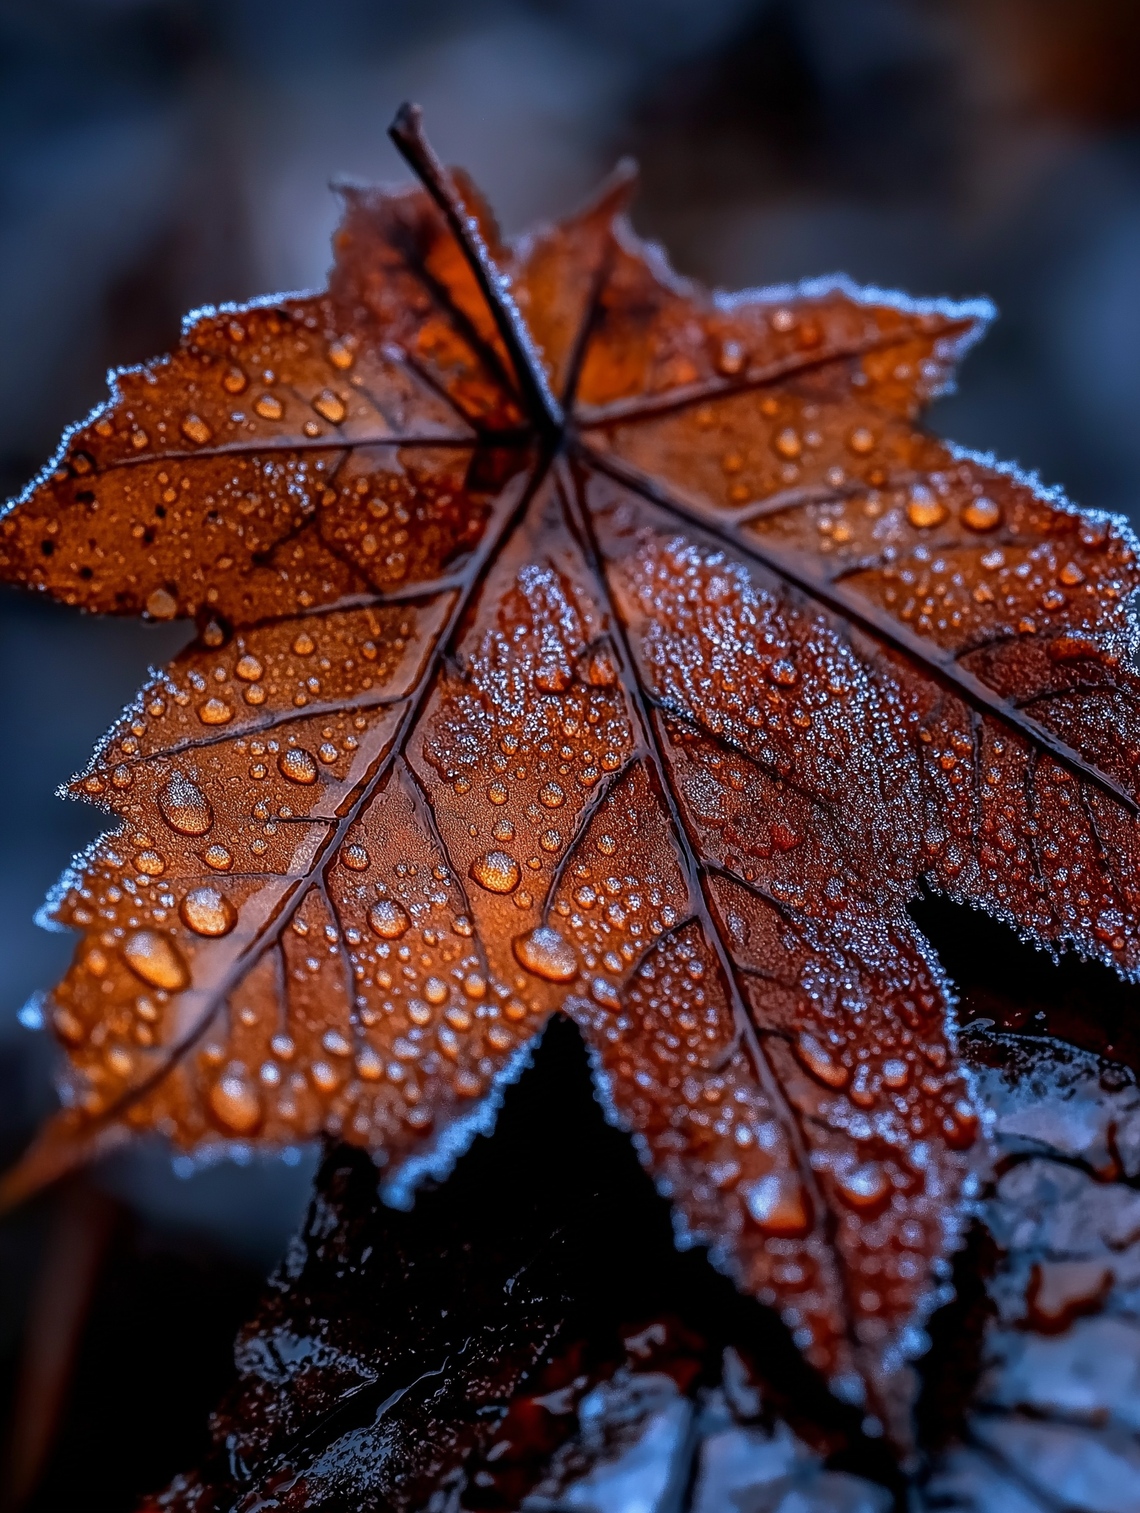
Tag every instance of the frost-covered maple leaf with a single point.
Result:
(573, 640)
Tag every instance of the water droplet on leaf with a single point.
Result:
(330, 406)
(547, 954)
(369, 1065)
(863, 1187)
(161, 605)
(981, 514)
(925, 510)
(155, 958)
(185, 807)
(814, 1055)
(248, 669)
(298, 765)
(778, 1204)
(235, 1103)
(215, 712)
(496, 871)
(388, 919)
(195, 429)
(208, 912)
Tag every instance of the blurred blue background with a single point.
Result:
(160, 154)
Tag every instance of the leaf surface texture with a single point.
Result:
(643, 666)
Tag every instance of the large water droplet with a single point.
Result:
(151, 862)
(388, 919)
(155, 959)
(368, 1065)
(551, 678)
(269, 407)
(185, 807)
(730, 358)
(298, 765)
(925, 510)
(981, 514)
(325, 1078)
(499, 1038)
(603, 991)
(497, 871)
(779, 1205)
(218, 858)
(861, 1092)
(215, 712)
(600, 670)
(547, 954)
(815, 1056)
(330, 406)
(120, 1061)
(551, 796)
(235, 1104)
(161, 605)
(355, 858)
(960, 1129)
(863, 1187)
(208, 912)
(195, 429)
(249, 669)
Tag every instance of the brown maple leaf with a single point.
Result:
(571, 639)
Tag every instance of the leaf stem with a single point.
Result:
(407, 133)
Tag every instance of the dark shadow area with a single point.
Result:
(549, 1230)
(950, 1369)
(1001, 978)
(153, 1354)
